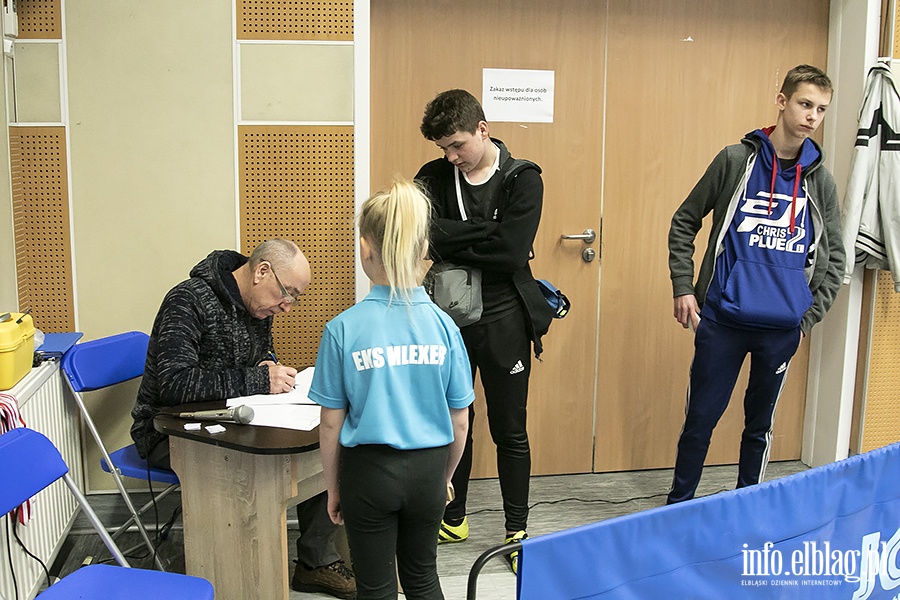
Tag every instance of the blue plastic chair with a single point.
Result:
(31, 463)
(101, 363)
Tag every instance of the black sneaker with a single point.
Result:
(335, 579)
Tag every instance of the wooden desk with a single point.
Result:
(235, 489)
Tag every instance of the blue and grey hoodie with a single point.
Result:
(759, 280)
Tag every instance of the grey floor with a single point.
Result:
(559, 502)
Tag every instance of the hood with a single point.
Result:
(811, 154)
(810, 158)
(216, 271)
(504, 152)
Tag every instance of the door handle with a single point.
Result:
(587, 237)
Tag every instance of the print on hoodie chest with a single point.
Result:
(771, 222)
(760, 279)
(764, 220)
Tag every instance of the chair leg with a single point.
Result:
(151, 547)
(95, 521)
(116, 476)
(124, 527)
(140, 524)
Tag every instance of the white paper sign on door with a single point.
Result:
(517, 95)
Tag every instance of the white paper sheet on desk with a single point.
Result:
(298, 395)
(304, 417)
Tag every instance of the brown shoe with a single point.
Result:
(335, 579)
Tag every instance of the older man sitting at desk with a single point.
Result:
(212, 340)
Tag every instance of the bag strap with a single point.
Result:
(513, 167)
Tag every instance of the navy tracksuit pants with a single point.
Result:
(719, 353)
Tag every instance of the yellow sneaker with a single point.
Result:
(450, 534)
(513, 557)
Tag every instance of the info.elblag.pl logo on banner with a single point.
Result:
(817, 564)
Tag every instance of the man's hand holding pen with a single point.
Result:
(281, 377)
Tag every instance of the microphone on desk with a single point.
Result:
(241, 414)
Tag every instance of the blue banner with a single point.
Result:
(829, 532)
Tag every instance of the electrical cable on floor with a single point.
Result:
(160, 538)
(573, 499)
(583, 501)
(15, 524)
(9, 556)
(167, 527)
(599, 500)
(161, 534)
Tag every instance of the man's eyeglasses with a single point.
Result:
(286, 296)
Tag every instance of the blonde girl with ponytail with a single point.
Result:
(393, 238)
(394, 382)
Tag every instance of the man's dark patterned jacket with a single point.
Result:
(204, 346)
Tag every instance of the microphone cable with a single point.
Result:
(160, 533)
(156, 540)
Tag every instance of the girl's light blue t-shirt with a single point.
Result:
(396, 368)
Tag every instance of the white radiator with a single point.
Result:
(45, 408)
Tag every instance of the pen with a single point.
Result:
(272, 356)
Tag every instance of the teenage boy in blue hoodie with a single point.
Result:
(772, 269)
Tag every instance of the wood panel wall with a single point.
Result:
(40, 191)
(299, 20)
(296, 180)
(297, 183)
(880, 416)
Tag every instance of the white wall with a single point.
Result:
(853, 47)
(150, 96)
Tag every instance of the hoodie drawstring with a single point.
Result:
(772, 187)
(797, 172)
